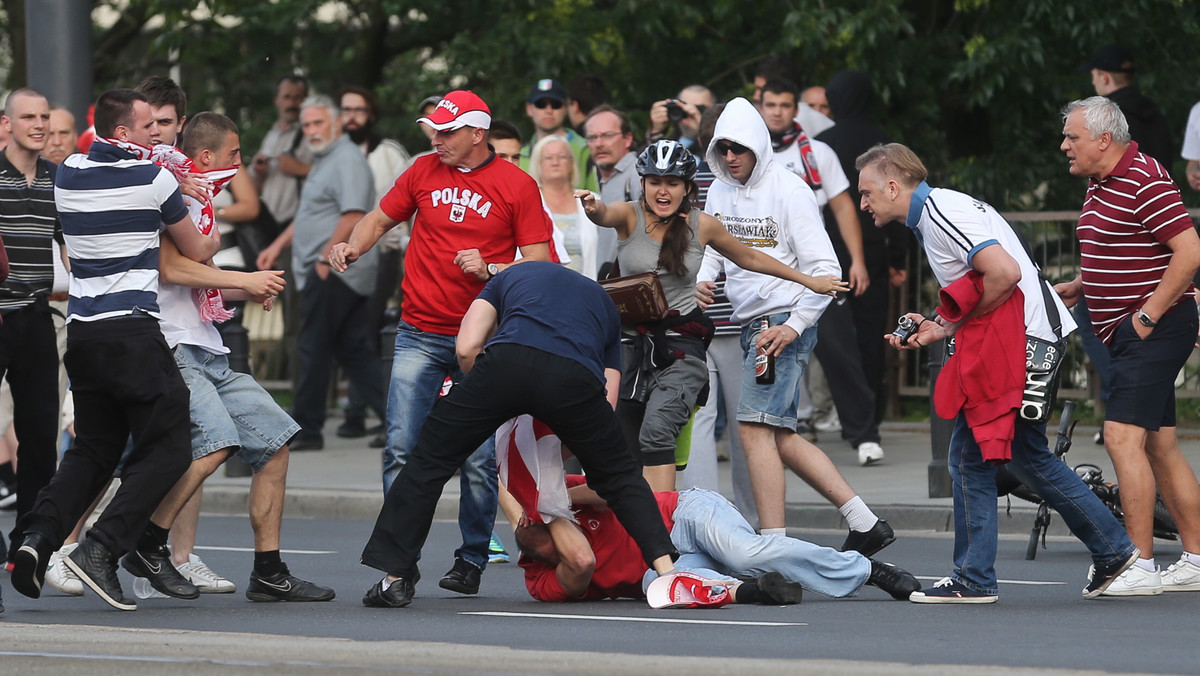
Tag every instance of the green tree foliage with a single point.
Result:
(974, 86)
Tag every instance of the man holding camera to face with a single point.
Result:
(999, 295)
(679, 118)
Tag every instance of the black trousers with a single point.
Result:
(333, 324)
(837, 348)
(509, 380)
(125, 383)
(29, 359)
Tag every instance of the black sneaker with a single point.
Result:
(896, 581)
(156, 567)
(776, 590)
(1103, 576)
(29, 565)
(869, 543)
(397, 594)
(307, 444)
(379, 441)
(947, 590)
(283, 586)
(352, 429)
(462, 578)
(97, 568)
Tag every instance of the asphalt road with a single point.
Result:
(1040, 623)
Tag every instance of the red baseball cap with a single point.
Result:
(460, 108)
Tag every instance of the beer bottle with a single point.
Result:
(764, 364)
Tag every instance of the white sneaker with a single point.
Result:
(1136, 582)
(1183, 575)
(60, 576)
(869, 453)
(204, 578)
(830, 423)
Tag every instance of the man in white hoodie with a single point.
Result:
(773, 210)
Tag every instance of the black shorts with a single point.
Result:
(1143, 371)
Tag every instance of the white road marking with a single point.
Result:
(613, 618)
(251, 550)
(1031, 583)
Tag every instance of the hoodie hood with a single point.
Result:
(851, 95)
(741, 122)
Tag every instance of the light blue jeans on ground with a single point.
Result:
(714, 541)
(421, 363)
(976, 511)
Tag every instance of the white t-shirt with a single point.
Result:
(833, 179)
(953, 227)
(1191, 135)
(179, 312)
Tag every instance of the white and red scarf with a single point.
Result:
(209, 301)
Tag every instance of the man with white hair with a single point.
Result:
(1138, 255)
(333, 306)
(471, 211)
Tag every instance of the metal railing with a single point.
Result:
(1051, 237)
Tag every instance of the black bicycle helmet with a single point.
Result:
(667, 158)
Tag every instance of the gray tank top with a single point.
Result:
(639, 253)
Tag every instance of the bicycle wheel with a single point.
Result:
(1164, 523)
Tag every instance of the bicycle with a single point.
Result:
(1092, 476)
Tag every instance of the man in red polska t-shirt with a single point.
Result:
(470, 213)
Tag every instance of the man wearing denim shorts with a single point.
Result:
(470, 212)
(963, 236)
(1138, 255)
(229, 411)
(771, 209)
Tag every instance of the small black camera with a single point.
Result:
(675, 112)
(905, 328)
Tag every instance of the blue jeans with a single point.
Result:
(975, 504)
(421, 363)
(715, 541)
(777, 404)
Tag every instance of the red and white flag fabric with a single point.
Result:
(529, 461)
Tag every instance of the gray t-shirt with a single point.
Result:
(639, 253)
(340, 181)
(281, 192)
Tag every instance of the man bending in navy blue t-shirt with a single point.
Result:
(541, 340)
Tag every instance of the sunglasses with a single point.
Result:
(542, 103)
(724, 147)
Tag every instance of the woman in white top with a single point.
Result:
(553, 167)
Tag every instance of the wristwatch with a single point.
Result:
(1145, 319)
(493, 270)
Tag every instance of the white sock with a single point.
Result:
(773, 531)
(1194, 559)
(1147, 565)
(858, 515)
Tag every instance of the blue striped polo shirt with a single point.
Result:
(112, 207)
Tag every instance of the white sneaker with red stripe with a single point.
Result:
(687, 590)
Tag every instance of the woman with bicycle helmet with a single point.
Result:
(663, 362)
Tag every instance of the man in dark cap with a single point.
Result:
(1112, 68)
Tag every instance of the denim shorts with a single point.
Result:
(775, 405)
(231, 410)
(1143, 371)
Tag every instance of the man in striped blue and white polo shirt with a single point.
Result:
(113, 204)
(28, 347)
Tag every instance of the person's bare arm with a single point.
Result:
(713, 234)
(851, 230)
(245, 205)
(292, 166)
(477, 327)
(618, 215)
(191, 242)
(1193, 174)
(1185, 259)
(576, 560)
(1000, 272)
(175, 268)
(343, 229)
(270, 253)
(366, 233)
